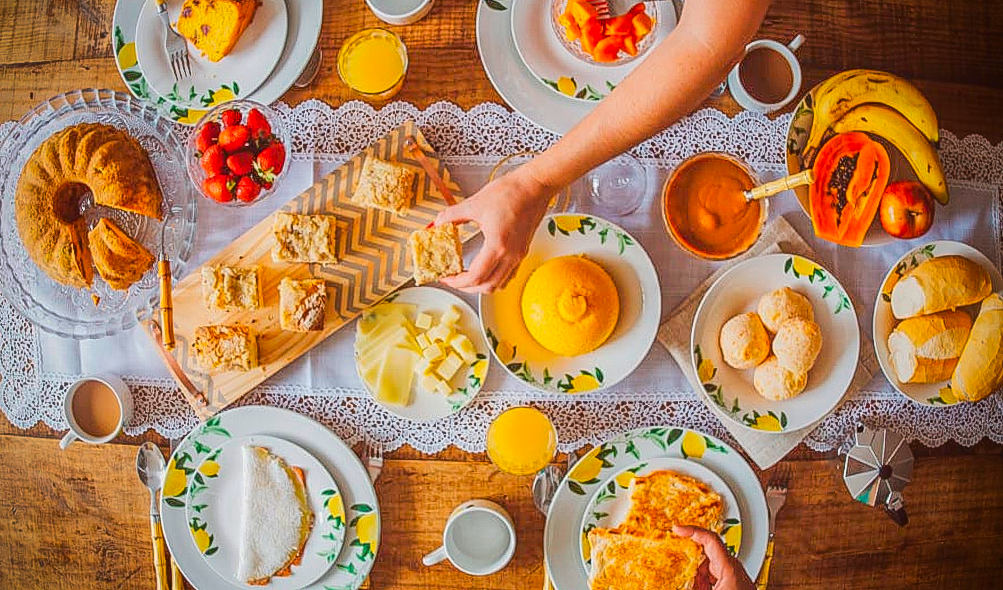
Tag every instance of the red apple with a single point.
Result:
(906, 209)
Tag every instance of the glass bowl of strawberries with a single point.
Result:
(237, 153)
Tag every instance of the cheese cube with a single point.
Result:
(434, 352)
(449, 367)
(464, 347)
(440, 333)
(444, 388)
(423, 341)
(424, 321)
(430, 383)
(451, 316)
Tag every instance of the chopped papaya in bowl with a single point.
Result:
(610, 41)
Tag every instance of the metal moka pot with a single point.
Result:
(877, 469)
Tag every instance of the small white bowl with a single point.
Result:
(387, 11)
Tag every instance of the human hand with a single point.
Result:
(720, 571)
(507, 210)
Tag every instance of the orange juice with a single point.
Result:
(373, 62)
(521, 441)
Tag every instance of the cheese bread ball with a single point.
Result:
(744, 341)
(777, 383)
(797, 344)
(776, 307)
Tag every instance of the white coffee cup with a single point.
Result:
(746, 100)
(479, 539)
(122, 395)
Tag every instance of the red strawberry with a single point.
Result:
(247, 189)
(207, 136)
(240, 162)
(269, 162)
(212, 160)
(258, 124)
(230, 117)
(233, 138)
(219, 187)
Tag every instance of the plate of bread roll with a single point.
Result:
(938, 325)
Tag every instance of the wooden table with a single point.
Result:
(77, 519)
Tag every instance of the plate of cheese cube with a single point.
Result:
(421, 354)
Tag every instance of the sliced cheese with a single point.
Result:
(396, 376)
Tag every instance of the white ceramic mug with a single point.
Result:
(479, 539)
(122, 395)
(742, 96)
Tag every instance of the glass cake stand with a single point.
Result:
(100, 310)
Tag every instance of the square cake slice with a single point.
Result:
(225, 348)
(436, 252)
(304, 238)
(230, 288)
(302, 304)
(384, 185)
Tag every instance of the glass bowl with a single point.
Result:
(99, 311)
(198, 175)
(575, 47)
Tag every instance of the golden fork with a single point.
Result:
(776, 496)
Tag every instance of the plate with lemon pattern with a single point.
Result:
(610, 503)
(566, 547)
(636, 281)
(349, 509)
(214, 510)
(927, 394)
(731, 391)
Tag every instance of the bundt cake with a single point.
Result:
(120, 260)
(89, 157)
(214, 26)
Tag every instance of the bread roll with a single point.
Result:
(780, 305)
(945, 282)
(777, 383)
(926, 349)
(744, 341)
(980, 368)
(797, 344)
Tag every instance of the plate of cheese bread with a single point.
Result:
(610, 522)
(775, 343)
(938, 321)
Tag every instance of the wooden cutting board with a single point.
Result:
(373, 261)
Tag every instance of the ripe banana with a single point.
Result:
(889, 124)
(847, 90)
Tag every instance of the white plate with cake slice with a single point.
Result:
(258, 509)
(238, 74)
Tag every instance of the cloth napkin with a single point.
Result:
(674, 334)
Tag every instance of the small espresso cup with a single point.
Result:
(95, 416)
(479, 539)
(742, 95)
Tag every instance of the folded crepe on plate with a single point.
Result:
(664, 498)
(623, 561)
(275, 517)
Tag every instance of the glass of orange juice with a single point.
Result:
(373, 62)
(522, 441)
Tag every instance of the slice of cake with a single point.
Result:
(302, 304)
(384, 185)
(304, 238)
(230, 288)
(436, 252)
(214, 26)
(120, 260)
(225, 348)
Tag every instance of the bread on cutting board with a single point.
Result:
(980, 368)
(926, 349)
(938, 284)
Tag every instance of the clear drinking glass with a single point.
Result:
(616, 188)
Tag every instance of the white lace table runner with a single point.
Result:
(36, 366)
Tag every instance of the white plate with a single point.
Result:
(426, 406)
(738, 291)
(545, 56)
(610, 503)
(562, 537)
(240, 73)
(620, 255)
(513, 80)
(214, 511)
(358, 498)
(927, 394)
(303, 30)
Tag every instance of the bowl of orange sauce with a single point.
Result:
(705, 211)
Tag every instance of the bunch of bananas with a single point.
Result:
(884, 105)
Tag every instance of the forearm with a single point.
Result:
(669, 84)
